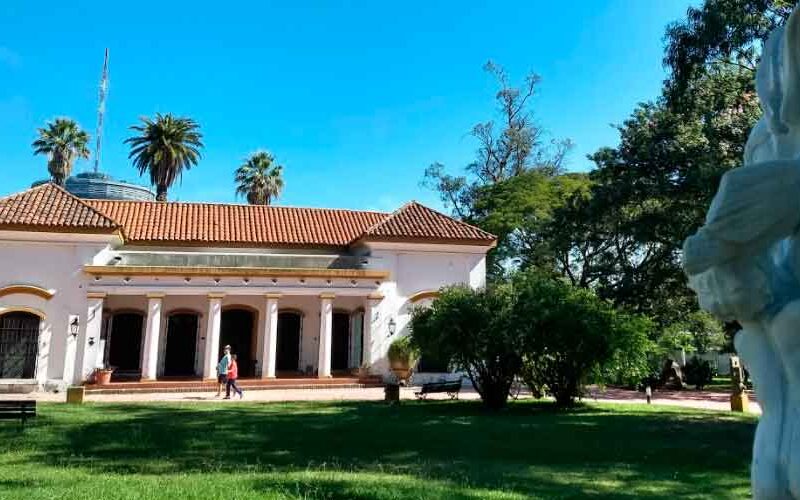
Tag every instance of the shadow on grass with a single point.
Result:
(529, 449)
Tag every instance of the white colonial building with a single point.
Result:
(155, 289)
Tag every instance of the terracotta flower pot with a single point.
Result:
(402, 374)
(103, 376)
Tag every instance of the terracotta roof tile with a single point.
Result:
(49, 207)
(212, 223)
(415, 221)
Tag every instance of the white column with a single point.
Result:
(270, 343)
(370, 309)
(84, 353)
(213, 320)
(325, 335)
(70, 354)
(152, 333)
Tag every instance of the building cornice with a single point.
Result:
(271, 272)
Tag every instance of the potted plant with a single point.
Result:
(402, 356)
(102, 376)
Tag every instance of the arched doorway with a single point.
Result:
(236, 330)
(125, 343)
(19, 344)
(340, 341)
(287, 351)
(179, 358)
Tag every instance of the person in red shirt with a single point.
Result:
(233, 374)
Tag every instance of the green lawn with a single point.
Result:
(369, 450)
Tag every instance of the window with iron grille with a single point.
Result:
(19, 344)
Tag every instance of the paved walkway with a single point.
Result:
(690, 399)
(702, 400)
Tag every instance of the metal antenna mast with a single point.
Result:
(101, 109)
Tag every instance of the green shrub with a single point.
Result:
(403, 350)
(557, 337)
(472, 329)
(573, 337)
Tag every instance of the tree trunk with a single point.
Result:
(161, 192)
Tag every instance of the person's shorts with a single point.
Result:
(222, 379)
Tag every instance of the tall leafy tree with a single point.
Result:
(654, 188)
(520, 211)
(259, 179)
(511, 145)
(719, 33)
(64, 142)
(164, 148)
(513, 163)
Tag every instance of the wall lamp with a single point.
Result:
(392, 327)
(73, 327)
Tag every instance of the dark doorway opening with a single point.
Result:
(287, 351)
(181, 345)
(125, 343)
(19, 345)
(237, 331)
(340, 341)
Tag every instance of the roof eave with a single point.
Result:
(426, 240)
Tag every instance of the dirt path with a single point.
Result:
(705, 400)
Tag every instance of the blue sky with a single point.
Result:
(355, 99)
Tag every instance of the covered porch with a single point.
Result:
(168, 326)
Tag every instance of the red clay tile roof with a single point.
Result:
(163, 222)
(414, 221)
(49, 207)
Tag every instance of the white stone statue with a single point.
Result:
(744, 263)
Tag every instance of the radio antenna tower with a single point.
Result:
(101, 110)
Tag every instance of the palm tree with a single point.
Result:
(259, 180)
(165, 147)
(63, 141)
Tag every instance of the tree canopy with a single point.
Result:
(164, 148)
(259, 179)
(64, 142)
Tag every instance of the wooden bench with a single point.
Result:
(17, 410)
(452, 388)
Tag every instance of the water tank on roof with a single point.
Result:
(96, 185)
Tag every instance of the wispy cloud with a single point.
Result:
(9, 57)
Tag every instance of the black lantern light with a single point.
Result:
(73, 327)
(392, 327)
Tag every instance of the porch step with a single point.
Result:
(251, 385)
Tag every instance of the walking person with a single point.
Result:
(222, 369)
(233, 374)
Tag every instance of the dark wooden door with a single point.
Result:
(287, 352)
(19, 345)
(340, 341)
(181, 345)
(125, 347)
(236, 330)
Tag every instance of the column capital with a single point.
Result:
(95, 295)
(327, 295)
(216, 295)
(273, 295)
(156, 295)
(375, 296)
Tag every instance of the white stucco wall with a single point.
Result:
(414, 269)
(53, 262)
